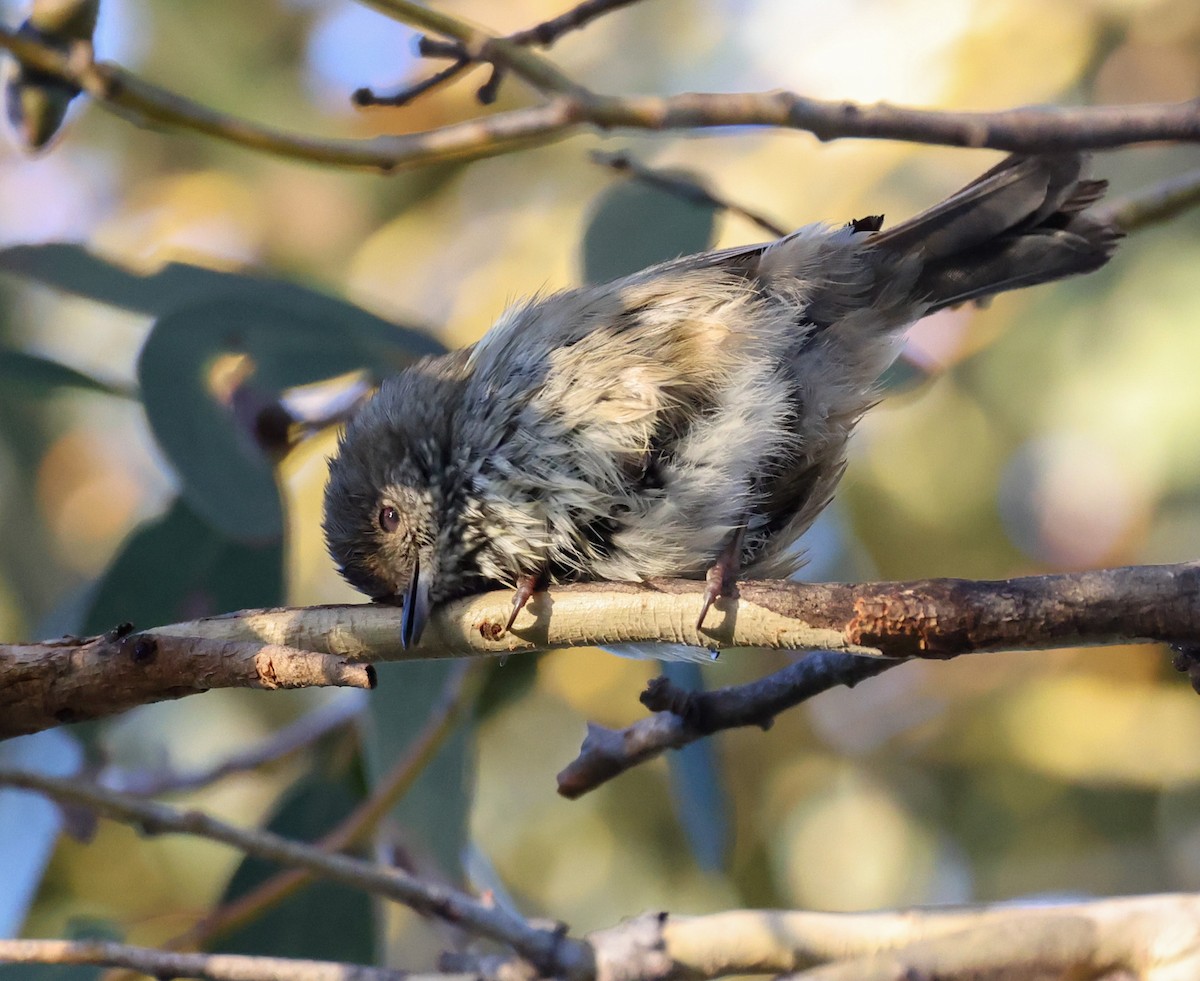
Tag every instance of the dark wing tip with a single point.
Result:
(871, 223)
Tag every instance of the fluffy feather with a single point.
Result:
(625, 431)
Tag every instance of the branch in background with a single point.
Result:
(547, 949)
(570, 108)
(145, 104)
(543, 35)
(929, 618)
(1154, 204)
(686, 187)
(286, 742)
(73, 679)
(458, 697)
(681, 717)
(211, 967)
(482, 45)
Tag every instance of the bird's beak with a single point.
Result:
(416, 608)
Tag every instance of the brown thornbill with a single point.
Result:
(687, 421)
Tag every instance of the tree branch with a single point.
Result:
(1154, 204)
(73, 679)
(543, 34)
(457, 698)
(477, 44)
(132, 98)
(1030, 130)
(211, 967)
(548, 949)
(681, 717)
(42, 685)
(1155, 938)
(291, 739)
(1152, 938)
(686, 187)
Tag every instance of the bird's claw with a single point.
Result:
(526, 587)
(721, 579)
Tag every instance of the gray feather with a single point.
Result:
(625, 431)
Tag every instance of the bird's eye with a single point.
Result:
(389, 519)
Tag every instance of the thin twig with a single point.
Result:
(478, 44)
(543, 35)
(1154, 204)
(685, 187)
(211, 967)
(366, 98)
(681, 717)
(134, 99)
(457, 698)
(304, 732)
(1029, 130)
(548, 950)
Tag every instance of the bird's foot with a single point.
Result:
(526, 587)
(721, 579)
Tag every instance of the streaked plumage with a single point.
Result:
(625, 431)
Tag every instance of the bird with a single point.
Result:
(688, 421)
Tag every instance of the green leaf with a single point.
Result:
(20, 369)
(72, 269)
(288, 339)
(324, 920)
(698, 793)
(177, 568)
(434, 813)
(508, 679)
(292, 335)
(635, 225)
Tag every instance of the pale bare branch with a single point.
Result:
(42, 685)
(69, 680)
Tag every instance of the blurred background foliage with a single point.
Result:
(1057, 431)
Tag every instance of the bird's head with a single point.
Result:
(380, 524)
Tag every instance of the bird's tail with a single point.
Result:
(1024, 222)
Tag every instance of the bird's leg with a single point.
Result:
(721, 580)
(526, 587)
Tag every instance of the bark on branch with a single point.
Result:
(681, 717)
(1149, 938)
(546, 948)
(1152, 938)
(73, 679)
(210, 967)
(569, 108)
(42, 685)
